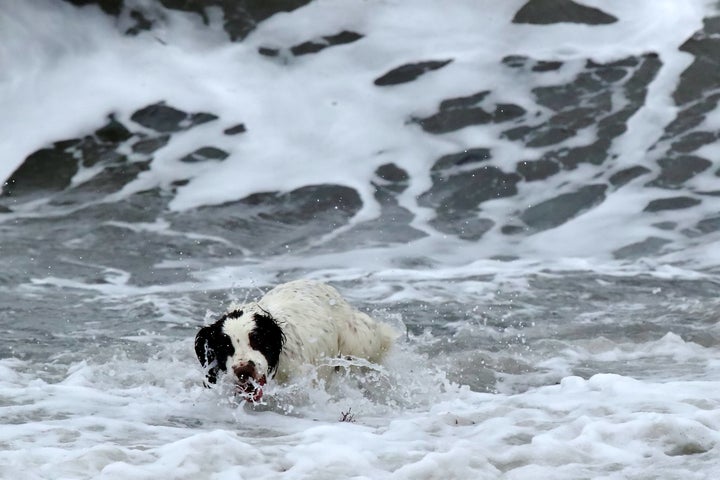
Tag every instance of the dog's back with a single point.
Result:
(319, 323)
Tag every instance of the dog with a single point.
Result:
(294, 325)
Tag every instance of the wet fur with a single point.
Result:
(295, 324)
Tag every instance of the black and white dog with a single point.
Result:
(295, 324)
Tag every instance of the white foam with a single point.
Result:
(100, 411)
(125, 419)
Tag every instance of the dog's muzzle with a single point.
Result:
(249, 384)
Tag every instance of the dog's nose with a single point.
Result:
(244, 371)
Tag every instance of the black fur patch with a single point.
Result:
(233, 314)
(267, 338)
(213, 348)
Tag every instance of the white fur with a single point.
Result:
(238, 329)
(318, 324)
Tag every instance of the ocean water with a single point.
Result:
(528, 189)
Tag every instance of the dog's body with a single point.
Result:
(295, 324)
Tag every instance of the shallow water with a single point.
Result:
(539, 215)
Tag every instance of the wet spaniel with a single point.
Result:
(295, 324)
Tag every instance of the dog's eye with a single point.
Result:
(225, 346)
(255, 340)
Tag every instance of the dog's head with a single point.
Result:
(245, 343)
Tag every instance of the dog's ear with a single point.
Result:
(212, 348)
(268, 338)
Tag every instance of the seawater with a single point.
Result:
(533, 204)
